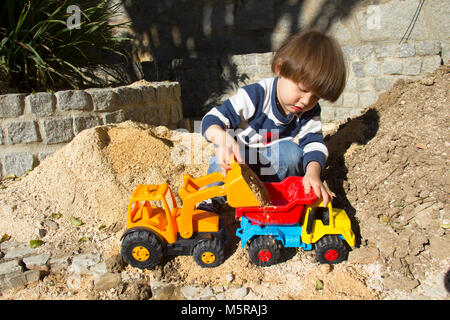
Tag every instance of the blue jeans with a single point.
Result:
(271, 164)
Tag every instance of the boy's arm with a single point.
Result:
(315, 154)
(311, 139)
(239, 107)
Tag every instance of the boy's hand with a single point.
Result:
(226, 147)
(312, 179)
(224, 154)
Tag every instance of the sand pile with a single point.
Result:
(93, 177)
(390, 170)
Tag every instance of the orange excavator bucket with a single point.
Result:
(238, 192)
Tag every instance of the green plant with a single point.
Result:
(39, 51)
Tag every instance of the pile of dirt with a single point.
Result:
(388, 168)
(91, 179)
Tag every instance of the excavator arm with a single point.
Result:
(235, 188)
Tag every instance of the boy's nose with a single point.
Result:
(306, 99)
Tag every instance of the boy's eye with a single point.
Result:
(306, 91)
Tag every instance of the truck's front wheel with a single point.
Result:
(331, 249)
(264, 251)
(142, 249)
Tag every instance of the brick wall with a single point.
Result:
(36, 125)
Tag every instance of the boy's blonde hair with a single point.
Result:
(315, 60)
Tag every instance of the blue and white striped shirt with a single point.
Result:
(253, 113)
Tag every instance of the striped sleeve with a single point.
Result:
(311, 141)
(240, 107)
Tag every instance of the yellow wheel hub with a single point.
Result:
(140, 253)
(208, 257)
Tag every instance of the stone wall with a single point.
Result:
(212, 47)
(371, 68)
(36, 125)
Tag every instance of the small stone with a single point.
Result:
(99, 269)
(59, 263)
(206, 293)
(427, 81)
(229, 278)
(19, 251)
(358, 69)
(218, 289)
(82, 262)
(240, 293)
(32, 276)
(37, 262)
(14, 281)
(190, 292)
(50, 224)
(114, 117)
(325, 268)
(422, 146)
(10, 267)
(107, 281)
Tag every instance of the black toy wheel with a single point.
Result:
(142, 249)
(264, 251)
(209, 253)
(331, 249)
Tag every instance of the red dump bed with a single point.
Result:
(288, 202)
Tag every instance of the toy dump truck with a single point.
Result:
(156, 227)
(297, 220)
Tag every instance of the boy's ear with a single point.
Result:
(278, 64)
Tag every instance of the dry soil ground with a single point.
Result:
(389, 169)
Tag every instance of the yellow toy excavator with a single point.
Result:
(156, 227)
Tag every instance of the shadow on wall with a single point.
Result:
(191, 41)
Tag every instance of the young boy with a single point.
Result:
(274, 125)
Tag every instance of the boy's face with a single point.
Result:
(294, 97)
